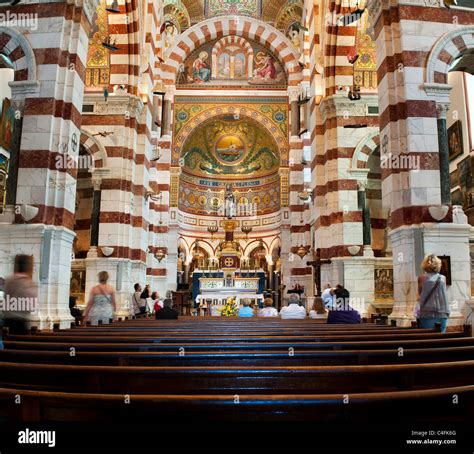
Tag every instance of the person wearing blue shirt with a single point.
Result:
(246, 310)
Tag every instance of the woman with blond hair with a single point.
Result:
(433, 300)
(268, 310)
(102, 303)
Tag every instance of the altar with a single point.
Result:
(216, 291)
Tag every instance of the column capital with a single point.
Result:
(442, 110)
(294, 93)
(170, 91)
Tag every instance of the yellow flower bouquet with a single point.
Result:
(230, 309)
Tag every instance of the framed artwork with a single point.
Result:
(454, 178)
(446, 267)
(7, 124)
(455, 144)
(456, 197)
(465, 173)
(78, 282)
(383, 278)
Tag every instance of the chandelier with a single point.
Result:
(246, 229)
(212, 229)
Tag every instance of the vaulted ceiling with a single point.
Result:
(270, 9)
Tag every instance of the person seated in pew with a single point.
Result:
(246, 310)
(268, 310)
(167, 312)
(341, 311)
(327, 296)
(102, 302)
(318, 310)
(157, 304)
(293, 310)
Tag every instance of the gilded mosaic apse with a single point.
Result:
(230, 147)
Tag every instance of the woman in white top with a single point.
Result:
(268, 310)
(102, 303)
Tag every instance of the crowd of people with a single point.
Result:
(334, 304)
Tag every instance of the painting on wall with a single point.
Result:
(78, 285)
(455, 144)
(465, 170)
(231, 61)
(456, 197)
(4, 163)
(446, 267)
(7, 124)
(383, 278)
(250, 8)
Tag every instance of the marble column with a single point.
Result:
(362, 202)
(445, 182)
(295, 118)
(95, 218)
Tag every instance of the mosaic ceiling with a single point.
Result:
(230, 147)
(267, 10)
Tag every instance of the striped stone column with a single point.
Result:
(412, 79)
(49, 61)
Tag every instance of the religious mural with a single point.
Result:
(98, 57)
(250, 8)
(7, 124)
(365, 67)
(232, 147)
(235, 62)
(262, 197)
(175, 21)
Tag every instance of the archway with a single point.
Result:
(248, 28)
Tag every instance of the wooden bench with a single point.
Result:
(240, 380)
(91, 345)
(242, 358)
(416, 407)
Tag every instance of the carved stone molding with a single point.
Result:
(294, 93)
(170, 92)
(440, 93)
(90, 8)
(115, 105)
(341, 106)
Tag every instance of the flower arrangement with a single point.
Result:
(230, 309)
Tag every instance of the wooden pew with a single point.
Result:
(256, 358)
(357, 408)
(92, 345)
(190, 339)
(240, 380)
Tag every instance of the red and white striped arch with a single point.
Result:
(95, 149)
(17, 48)
(248, 28)
(449, 47)
(364, 149)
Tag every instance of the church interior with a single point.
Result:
(211, 156)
